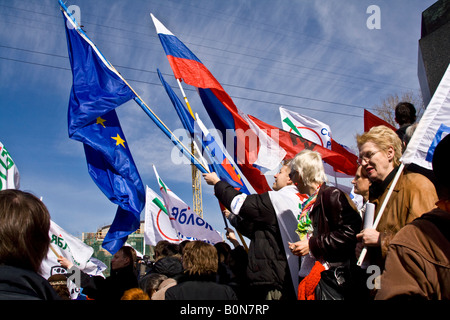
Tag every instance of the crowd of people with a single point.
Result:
(305, 237)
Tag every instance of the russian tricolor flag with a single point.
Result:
(219, 105)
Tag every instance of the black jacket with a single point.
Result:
(336, 223)
(200, 288)
(267, 264)
(110, 288)
(21, 284)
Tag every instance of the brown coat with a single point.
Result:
(413, 195)
(418, 260)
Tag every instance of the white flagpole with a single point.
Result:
(380, 212)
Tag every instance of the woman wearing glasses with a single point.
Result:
(380, 150)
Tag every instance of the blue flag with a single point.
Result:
(218, 160)
(96, 91)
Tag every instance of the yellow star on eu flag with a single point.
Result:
(119, 140)
(101, 121)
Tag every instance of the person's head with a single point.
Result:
(59, 283)
(405, 113)
(223, 252)
(165, 248)
(200, 259)
(135, 294)
(408, 135)
(150, 283)
(124, 257)
(380, 150)
(24, 227)
(307, 171)
(361, 183)
(282, 178)
(441, 169)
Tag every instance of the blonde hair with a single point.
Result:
(309, 166)
(383, 137)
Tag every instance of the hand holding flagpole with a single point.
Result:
(380, 212)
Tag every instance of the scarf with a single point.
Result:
(307, 287)
(304, 227)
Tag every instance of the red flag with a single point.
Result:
(371, 120)
(220, 107)
(341, 159)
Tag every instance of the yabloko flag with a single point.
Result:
(188, 225)
(75, 250)
(293, 144)
(9, 174)
(157, 221)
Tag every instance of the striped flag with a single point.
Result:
(432, 128)
(220, 107)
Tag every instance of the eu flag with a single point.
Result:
(96, 91)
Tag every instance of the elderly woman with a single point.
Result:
(380, 150)
(328, 224)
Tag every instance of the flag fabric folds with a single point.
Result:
(432, 128)
(9, 174)
(75, 250)
(215, 155)
(188, 225)
(309, 128)
(96, 91)
(315, 131)
(157, 222)
(219, 105)
(293, 144)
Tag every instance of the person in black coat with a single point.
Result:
(330, 222)
(122, 277)
(254, 216)
(24, 227)
(200, 263)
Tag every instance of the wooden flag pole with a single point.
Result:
(54, 251)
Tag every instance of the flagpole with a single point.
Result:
(139, 100)
(381, 211)
(185, 98)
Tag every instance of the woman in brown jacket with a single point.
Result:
(418, 260)
(380, 150)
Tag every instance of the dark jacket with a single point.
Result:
(21, 284)
(110, 288)
(267, 266)
(200, 288)
(336, 223)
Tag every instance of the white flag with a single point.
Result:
(306, 127)
(157, 223)
(9, 175)
(270, 154)
(314, 131)
(75, 250)
(188, 225)
(432, 128)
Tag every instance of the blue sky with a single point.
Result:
(313, 57)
